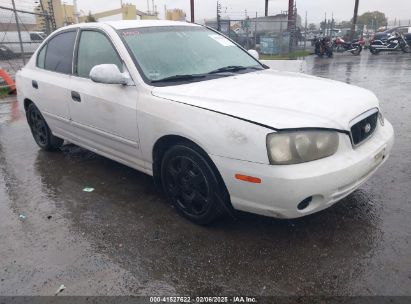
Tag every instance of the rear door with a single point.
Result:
(104, 116)
(50, 80)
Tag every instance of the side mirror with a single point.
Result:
(110, 74)
(254, 53)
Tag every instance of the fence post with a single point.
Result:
(18, 31)
(255, 31)
(305, 31)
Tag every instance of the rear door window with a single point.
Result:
(59, 55)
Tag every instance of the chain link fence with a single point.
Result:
(21, 33)
(268, 37)
(276, 35)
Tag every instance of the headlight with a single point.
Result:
(286, 148)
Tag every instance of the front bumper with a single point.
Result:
(326, 180)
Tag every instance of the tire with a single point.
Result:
(357, 50)
(41, 131)
(329, 52)
(191, 184)
(374, 51)
(406, 49)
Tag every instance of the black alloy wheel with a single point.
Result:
(191, 185)
(41, 131)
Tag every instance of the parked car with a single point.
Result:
(216, 128)
(405, 30)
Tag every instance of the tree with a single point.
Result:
(90, 18)
(312, 27)
(345, 24)
(372, 19)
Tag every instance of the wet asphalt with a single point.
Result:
(124, 238)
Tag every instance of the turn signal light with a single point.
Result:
(249, 179)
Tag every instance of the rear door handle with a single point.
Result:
(34, 84)
(75, 96)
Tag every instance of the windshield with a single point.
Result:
(175, 51)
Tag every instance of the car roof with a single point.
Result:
(126, 24)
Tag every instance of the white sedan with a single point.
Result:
(216, 128)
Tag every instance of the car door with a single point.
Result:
(103, 116)
(50, 80)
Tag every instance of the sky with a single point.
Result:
(316, 9)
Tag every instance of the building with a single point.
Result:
(125, 12)
(270, 24)
(63, 14)
(175, 15)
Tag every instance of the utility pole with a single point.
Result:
(255, 30)
(290, 14)
(192, 10)
(46, 18)
(266, 8)
(354, 20)
(18, 31)
(305, 31)
(218, 17)
(75, 11)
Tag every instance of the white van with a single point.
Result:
(31, 40)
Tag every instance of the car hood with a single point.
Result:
(277, 99)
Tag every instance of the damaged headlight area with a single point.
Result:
(286, 148)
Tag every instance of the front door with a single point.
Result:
(104, 116)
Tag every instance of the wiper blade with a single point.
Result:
(234, 68)
(179, 78)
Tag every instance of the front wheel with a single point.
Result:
(406, 49)
(191, 184)
(41, 131)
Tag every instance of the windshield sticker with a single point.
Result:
(131, 33)
(221, 40)
(154, 75)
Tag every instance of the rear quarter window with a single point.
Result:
(41, 57)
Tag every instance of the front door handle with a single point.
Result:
(75, 96)
(34, 84)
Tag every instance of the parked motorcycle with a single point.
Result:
(395, 42)
(354, 47)
(323, 46)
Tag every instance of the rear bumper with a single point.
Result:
(327, 180)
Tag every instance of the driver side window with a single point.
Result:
(94, 49)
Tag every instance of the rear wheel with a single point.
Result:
(329, 52)
(374, 51)
(357, 50)
(41, 131)
(191, 184)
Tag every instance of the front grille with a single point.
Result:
(364, 129)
